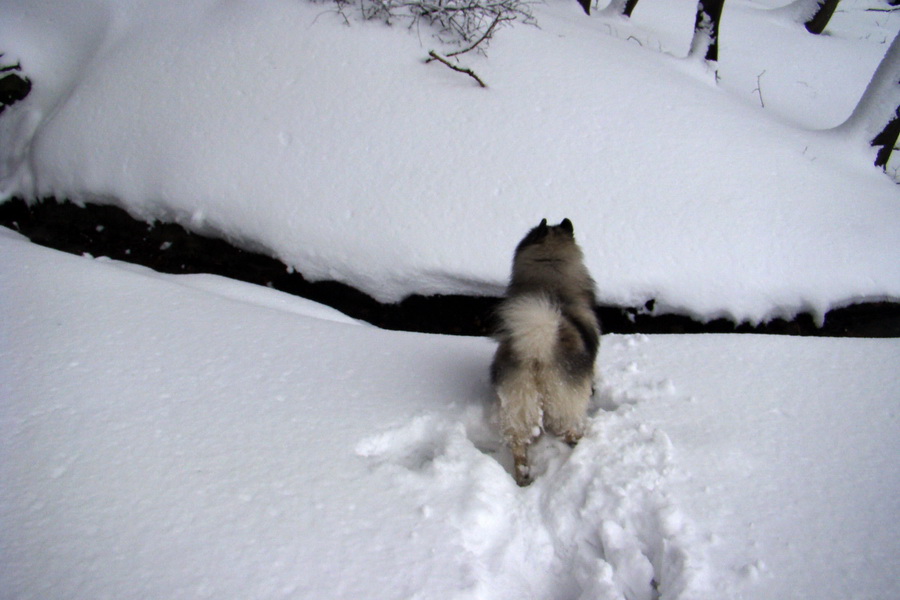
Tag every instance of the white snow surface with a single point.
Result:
(334, 148)
(191, 437)
(811, 80)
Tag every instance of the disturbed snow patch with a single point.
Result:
(598, 522)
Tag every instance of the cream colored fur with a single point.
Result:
(532, 323)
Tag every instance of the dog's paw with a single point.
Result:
(572, 438)
(523, 475)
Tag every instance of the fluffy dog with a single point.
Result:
(549, 336)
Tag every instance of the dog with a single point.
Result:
(549, 336)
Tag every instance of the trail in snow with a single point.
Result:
(598, 522)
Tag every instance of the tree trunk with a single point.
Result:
(814, 14)
(886, 141)
(13, 87)
(619, 7)
(706, 29)
(819, 20)
(876, 119)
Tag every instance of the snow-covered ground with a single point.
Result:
(191, 437)
(813, 81)
(336, 149)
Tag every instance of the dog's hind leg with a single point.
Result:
(520, 419)
(566, 408)
(521, 467)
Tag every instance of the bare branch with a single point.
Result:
(434, 55)
(487, 35)
(469, 23)
(758, 89)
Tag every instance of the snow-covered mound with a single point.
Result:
(191, 437)
(336, 149)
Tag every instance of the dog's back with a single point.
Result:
(549, 337)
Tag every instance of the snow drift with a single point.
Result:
(335, 149)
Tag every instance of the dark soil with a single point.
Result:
(169, 248)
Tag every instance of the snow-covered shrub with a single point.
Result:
(469, 23)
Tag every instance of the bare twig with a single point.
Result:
(456, 22)
(434, 55)
(487, 35)
(758, 89)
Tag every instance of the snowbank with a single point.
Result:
(190, 437)
(337, 150)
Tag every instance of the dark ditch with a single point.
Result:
(169, 248)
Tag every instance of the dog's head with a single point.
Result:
(549, 259)
(549, 235)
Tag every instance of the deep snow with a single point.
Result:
(337, 150)
(191, 437)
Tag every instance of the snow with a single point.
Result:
(758, 60)
(335, 149)
(193, 437)
(807, 433)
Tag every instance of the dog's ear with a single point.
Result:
(535, 236)
(539, 232)
(567, 226)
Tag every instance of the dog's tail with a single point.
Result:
(531, 323)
